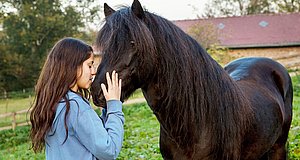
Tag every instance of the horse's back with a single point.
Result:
(262, 72)
(267, 85)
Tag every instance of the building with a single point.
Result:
(276, 36)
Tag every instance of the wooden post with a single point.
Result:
(5, 94)
(6, 105)
(30, 100)
(14, 121)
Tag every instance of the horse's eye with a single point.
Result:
(132, 43)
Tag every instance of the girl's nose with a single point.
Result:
(93, 70)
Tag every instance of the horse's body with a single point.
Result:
(204, 111)
(267, 85)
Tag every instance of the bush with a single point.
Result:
(25, 93)
(12, 138)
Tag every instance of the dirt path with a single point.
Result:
(136, 100)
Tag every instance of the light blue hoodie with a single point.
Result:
(88, 137)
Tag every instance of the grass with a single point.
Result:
(140, 139)
(17, 104)
(20, 118)
(13, 105)
(21, 152)
(137, 94)
(294, 134)
(141, 133)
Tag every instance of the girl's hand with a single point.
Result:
(113, 91)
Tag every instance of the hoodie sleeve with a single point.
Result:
(104, 141)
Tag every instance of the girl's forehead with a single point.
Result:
(91, 58)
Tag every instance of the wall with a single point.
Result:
(288, 56)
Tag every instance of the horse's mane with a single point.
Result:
(199, 96)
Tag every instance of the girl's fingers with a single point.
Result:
(120, 86)
(117, 79)
(120, 83)
(113, 78)
(108, 80)
(104, 89)
(113, 89)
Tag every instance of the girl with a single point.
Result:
(63, 121)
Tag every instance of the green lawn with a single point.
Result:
(17, 104)
(294, 134)
(141, 134)
(140, 141)
(12, 105)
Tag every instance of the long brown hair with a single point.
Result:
(58, 75)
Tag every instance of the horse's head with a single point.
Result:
(127, 46)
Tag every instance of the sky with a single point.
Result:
(169, 9)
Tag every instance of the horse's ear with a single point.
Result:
(137, 9)
(108, 10)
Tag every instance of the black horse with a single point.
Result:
(242, 111)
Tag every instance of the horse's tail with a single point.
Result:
(284, 84)
(288, 106)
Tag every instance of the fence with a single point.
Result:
(14, 108)
(14, 122)
(19, 118)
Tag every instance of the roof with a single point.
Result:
(264, 30)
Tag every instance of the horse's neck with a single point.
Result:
(211, 80)
(153, 95)
(156, 91)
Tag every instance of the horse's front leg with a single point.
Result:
(278, 150)
(165, 145)
(276, 153)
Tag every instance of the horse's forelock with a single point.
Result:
(123, 26)
(142, 36)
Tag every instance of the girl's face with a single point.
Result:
(85, 74)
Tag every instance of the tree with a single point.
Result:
(288, 5)
(207, 35)
(217, 8)
(90, 10)
(30, 29)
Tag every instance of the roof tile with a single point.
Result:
(253, 30)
